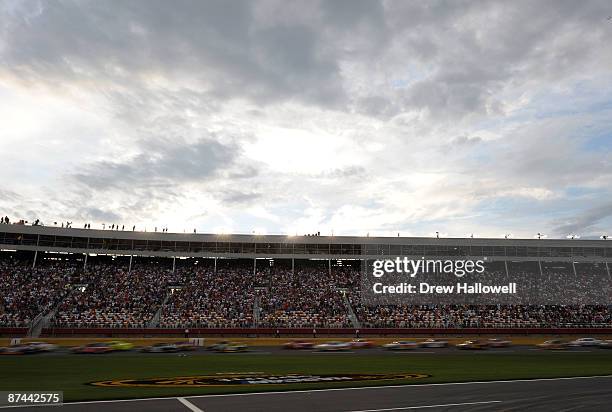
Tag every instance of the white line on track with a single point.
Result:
(445, 405)
(561, 351)
(190, 405)
(407, 352)
(244, 353)
(332, 352)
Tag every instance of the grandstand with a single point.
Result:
(64, 281)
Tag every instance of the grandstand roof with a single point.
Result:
(249, 238)
(54, 239)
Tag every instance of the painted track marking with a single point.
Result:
(190, 405)
(445, 405)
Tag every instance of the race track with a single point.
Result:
(556, 394)
(278, 350)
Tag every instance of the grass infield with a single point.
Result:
(72, 373)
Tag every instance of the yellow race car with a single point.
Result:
(120, 345)
(555, 344)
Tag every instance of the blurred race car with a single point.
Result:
(333, 346)
(605, 344)
(433, 343)
(361, 344)
(585, 342)
(20, 349)
(498, 343)
(94, 348)
(231, 347)
(42, 346)
(298, 344)
(185, 345)
(120, 345)
(400, 345)
(162, 347)
(472, 344)
(27, 348)
(217, 345)
(554, 344)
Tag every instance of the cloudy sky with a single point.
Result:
(301, 116)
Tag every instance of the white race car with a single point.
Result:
(585, 342)
(605, 344)
(41, 347)
(498, 343)
(333, 346)
(161, 347)
(433, 343)
(400, 345)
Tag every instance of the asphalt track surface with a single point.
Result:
(556, 394)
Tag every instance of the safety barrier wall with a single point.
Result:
(191, 332)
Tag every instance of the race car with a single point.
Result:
(585, 342)
(185, 345)
(400, 345)
(94, 348)
(20, 349)
(553, 344)
(433, 343)
(42, 346)
(361, 344)
(472, 344)
(498, 343)
(231, 347)
(217, 345)
(333, 346)
(120, 345)
(298, 344)
(605, 344)
(162, 347)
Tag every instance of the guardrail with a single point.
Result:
(193, 332)
(13, 331)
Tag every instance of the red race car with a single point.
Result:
(298, 344)
(361, 344)
(94, 348)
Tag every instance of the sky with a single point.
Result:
(342, 117)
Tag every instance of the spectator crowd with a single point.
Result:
(26, 292)
(110, 295)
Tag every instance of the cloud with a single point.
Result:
(357, 116)
(584, 220)
(238, 197)
(163, 163)
(8, 195)
(93, 213)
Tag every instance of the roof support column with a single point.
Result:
(540, 266)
